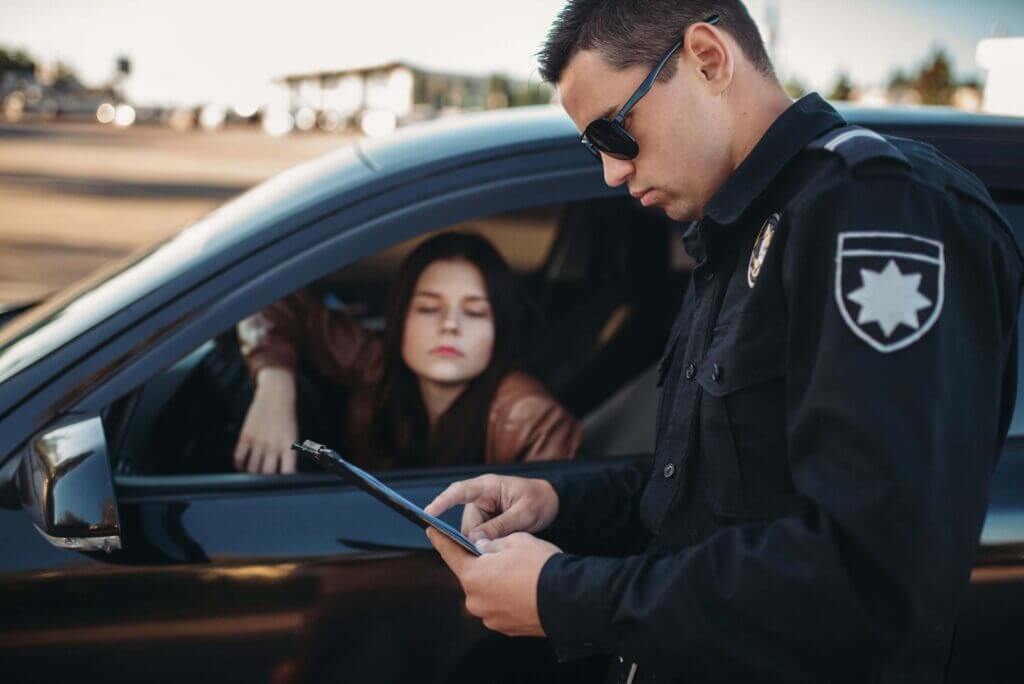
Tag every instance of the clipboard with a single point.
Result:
(331, 460)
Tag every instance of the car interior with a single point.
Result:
(607, 274)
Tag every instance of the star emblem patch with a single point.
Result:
(889, 286)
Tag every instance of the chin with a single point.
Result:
(681, 211)
(445, 373)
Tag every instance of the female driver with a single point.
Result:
(439, 387)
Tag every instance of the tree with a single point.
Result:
(498, 92)
(899, 80)
(65, 77)
(15, 60)
(934, 81)
(843, 88)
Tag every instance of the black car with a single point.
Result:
(130, 549)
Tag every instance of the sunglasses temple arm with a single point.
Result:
(647, 84)
(653, 76)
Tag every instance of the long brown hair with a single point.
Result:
(401, 435)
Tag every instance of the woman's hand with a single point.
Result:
(499, 505)
(270, 427)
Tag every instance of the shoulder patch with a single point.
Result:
(889, 286)
(856, 145)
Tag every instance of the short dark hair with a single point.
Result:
(639, 32)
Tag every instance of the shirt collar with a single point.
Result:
(804, 120)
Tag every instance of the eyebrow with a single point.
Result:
(428, 293)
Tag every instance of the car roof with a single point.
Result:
(490, 132)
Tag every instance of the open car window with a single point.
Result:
(606, 275)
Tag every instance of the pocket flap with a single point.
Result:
(742, 357)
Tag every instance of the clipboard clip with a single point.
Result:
(310, 447)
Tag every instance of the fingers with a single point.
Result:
(472, 516)
(271, 462)
(255, 460)
(263, 458)
(454, 556)
(288, 461)
(463, 492)
(241, 452)
(499, 526)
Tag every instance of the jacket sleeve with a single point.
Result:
(300, 327)
(526, 423)
(598, 511)
(891, 453)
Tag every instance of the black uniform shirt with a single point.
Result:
(835, 391)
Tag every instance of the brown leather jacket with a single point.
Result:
(525, 423)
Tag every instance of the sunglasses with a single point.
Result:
(608, 136)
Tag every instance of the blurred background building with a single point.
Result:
(375, 100)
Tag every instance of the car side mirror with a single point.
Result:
(65, 485)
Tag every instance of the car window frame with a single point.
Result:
(332, 242)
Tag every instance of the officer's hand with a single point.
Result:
(498, 505)
(270, 427)
(501, 585)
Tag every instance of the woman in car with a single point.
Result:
(441, 385)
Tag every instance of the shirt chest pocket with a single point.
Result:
(743, 471)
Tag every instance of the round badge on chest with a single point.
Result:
(761, 245)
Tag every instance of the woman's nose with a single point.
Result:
(450, 321)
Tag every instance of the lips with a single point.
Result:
(646, 197)
(446, 352)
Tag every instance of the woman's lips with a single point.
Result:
(446, 352)
(647, 199)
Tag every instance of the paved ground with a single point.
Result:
(73, 197)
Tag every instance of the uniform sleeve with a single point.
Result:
(598, 512)
(300, 326)
(891, 451)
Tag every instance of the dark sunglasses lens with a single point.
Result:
(612, 139)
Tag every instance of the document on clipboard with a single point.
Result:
(331, 460)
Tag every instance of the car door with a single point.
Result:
(985, 647)
(268, 578)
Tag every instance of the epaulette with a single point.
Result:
(856, 145)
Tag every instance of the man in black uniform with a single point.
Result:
(835, 389)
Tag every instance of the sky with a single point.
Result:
(195, 51)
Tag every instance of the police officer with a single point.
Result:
(834, 392)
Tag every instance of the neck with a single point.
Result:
(438, 397)
(762, 102)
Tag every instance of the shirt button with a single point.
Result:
(669, 471)
(691, 370)
(716, 372)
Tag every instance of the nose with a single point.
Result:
(450, 320)
(616, 171)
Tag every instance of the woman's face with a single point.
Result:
(449, 326)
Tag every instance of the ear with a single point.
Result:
(710, 53)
